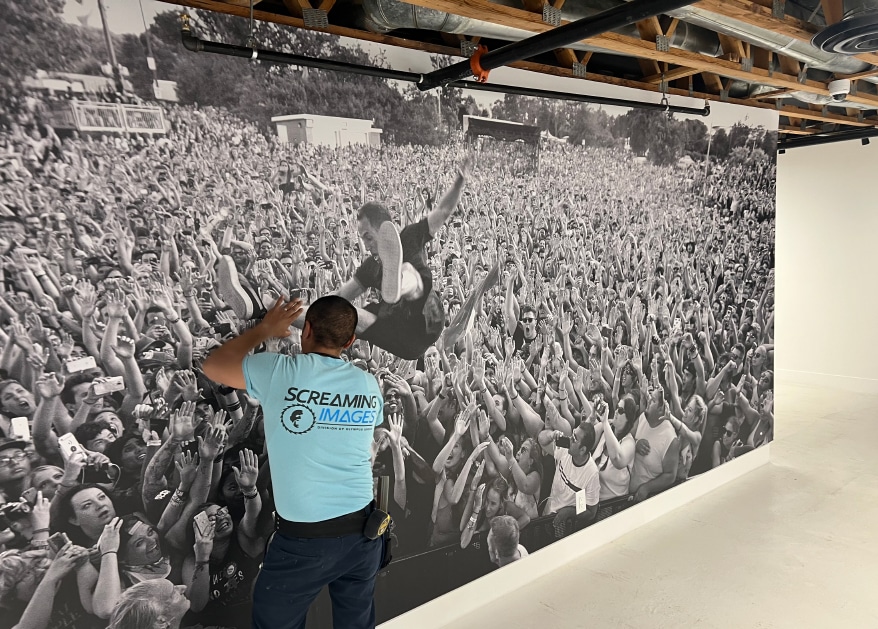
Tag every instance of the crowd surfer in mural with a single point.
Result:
(552, 346)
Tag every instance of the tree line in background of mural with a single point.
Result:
(260, 91)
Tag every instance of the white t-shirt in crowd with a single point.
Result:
(649, 467)
(569, 479)
(614, 482)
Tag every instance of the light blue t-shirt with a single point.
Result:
(320, 414)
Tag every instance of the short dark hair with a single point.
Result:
(89, 430)
(68, 395)
(374, 213)
(333, 321)
(527, 308)
(588, 436)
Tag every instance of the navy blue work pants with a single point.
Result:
(295, 569)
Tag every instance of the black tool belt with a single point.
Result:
(349, 524)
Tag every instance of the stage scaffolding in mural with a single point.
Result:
(519, 141)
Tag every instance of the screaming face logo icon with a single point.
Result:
(297, 419)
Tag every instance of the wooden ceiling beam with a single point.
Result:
(286, 20)
(798, 130)
(732, 46)
(669, 75)
(859, 75)
(772, 95)
(566, 57)
(833, 10)
(518, 18)
(649, 30)
(759, 14)
(295, 7)
(713, 81)
(788, 65)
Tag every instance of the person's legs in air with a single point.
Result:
(399, 280)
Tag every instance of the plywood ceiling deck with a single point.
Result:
(685, 73)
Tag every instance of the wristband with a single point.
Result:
(179, 494)
(172, 321)
(45, 530)
(109, 552)
(251, 496)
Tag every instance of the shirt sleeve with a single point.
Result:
(559, 452)
(258, 372)
(367, 273)
(593, 490)
(420, 233)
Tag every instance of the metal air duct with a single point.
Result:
(856, 32)
(384, 16)
(695, 33)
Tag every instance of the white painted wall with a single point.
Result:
(827, 265)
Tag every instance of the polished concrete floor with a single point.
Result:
(793, 544)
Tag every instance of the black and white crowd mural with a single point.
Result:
(595, 327)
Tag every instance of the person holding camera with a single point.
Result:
(319, 418)
(576, 481)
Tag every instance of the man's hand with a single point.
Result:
(183, 422)
(246, 474)
(50, 385)
(187, 467)
(211, 444)
(277, 321)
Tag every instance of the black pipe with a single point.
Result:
(195, 44)
(582, 98)
(591, 26)
(190, 42)
(828, 138)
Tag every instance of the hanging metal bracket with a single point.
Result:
(468, 48)
(778, 9)
(551, 15)
(315, 18)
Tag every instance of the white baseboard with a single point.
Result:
(828, 380)
(450, 607)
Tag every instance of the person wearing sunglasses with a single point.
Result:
(522, 326)
(14, 468)
(614, 452)
(723, 446)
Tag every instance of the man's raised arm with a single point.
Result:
(445, 208)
